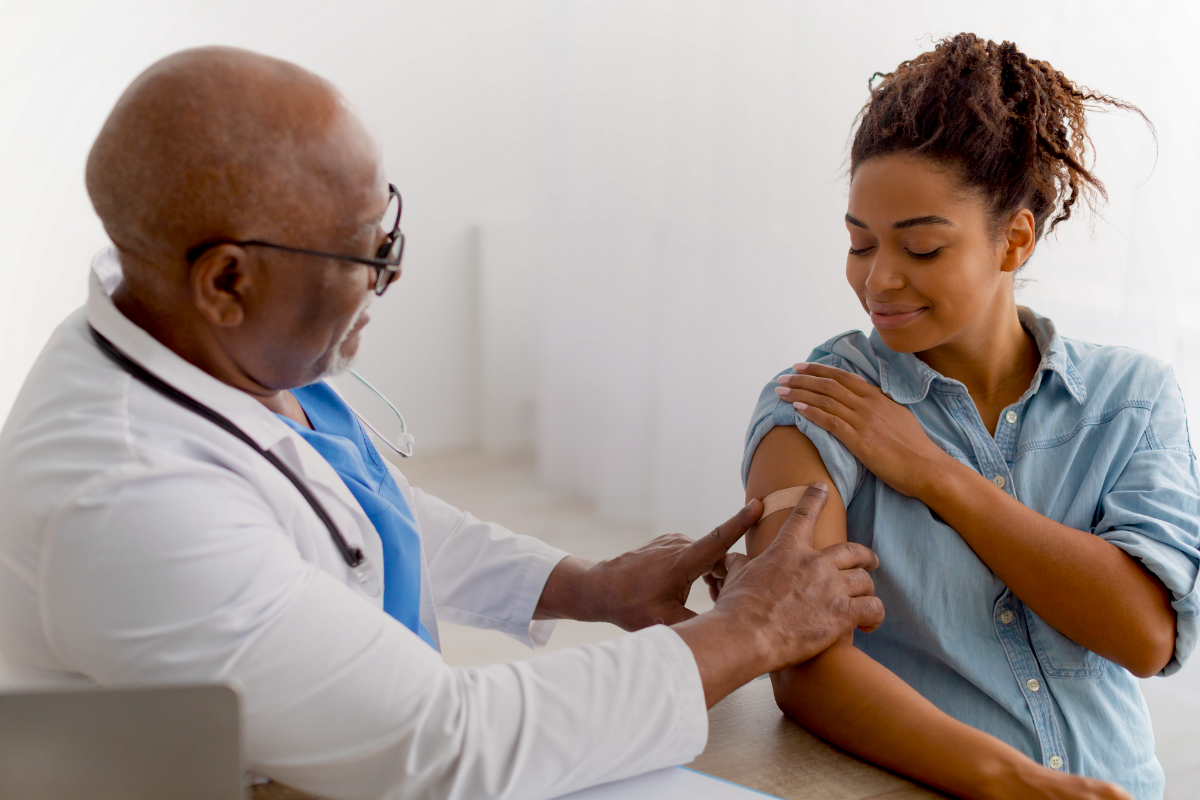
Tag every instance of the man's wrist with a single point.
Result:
(728, 653)
(571, 592)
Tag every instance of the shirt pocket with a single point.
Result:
(1058, 656)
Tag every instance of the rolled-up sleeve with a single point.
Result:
(1152, 512)
(771, 411)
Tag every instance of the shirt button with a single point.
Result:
(1006, 617)
(1055, 762)
(1010, 417)
(1033, 685)
(999, 481)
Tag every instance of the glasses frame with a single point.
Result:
(386, 262)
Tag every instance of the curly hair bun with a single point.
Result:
(1015, 127)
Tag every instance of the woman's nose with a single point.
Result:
(884, 277)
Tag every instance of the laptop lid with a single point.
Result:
(121, 744)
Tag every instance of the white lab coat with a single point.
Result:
(141, 544)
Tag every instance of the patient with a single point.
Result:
(1033, 499)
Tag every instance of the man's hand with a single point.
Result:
(784, 607)
(646, 586)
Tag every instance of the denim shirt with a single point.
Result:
(1098, 442)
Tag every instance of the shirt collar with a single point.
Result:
(102, 314)
(907, 379)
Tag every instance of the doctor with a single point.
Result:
(256, 535)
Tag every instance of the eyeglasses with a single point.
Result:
(386, 261)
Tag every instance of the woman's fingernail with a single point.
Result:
(782, 379)
(799, 406)
(800, 367)
(781, 390)
(822, 485)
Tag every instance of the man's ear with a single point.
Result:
(1018, 241)
(220, 278)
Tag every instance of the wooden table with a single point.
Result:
(750, 742)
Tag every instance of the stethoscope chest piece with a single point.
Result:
(368, 578)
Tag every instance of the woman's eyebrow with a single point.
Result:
(931, 219)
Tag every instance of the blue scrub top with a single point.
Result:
(340, 438)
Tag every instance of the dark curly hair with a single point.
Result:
(1014, 127)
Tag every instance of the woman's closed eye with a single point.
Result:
(922, 256)
(862, 251)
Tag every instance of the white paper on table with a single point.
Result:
(668, 784)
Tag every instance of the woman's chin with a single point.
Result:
(906, 341)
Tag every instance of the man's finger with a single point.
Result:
(717, 572)
(678, 615)
(857, 583)
(799, 527)
(708, 550)
(734, 563)
(850, 555)
(866, 613)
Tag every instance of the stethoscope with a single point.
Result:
(403, 446)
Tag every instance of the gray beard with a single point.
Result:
(342, 361)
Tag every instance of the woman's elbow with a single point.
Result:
(1154, 651)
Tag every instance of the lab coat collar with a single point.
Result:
(266, 429)
(250, 415)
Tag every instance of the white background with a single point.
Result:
(623, 217)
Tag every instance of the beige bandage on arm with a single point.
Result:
(784, 498)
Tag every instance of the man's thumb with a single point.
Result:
(708, 549)
(801, 525)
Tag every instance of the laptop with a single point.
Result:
(182, 743)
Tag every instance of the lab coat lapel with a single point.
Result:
(267, 430)
(250, 415)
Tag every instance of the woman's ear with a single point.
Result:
(220, 278)
(1018, 241)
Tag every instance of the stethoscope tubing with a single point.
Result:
(408, 453)
(353, 556)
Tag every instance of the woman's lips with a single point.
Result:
(891, 320)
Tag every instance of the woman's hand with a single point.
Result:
(881, 433)
(1036, 782)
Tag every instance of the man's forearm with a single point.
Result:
(723, 649)
(726, 650)
(569, 594)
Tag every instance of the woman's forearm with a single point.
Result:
(1088, 589)
(852, 701)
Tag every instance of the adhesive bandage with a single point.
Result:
(784, 498)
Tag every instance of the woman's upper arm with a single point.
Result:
(785, 458)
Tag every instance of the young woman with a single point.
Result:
(1034, 500)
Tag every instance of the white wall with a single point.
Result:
(664, 179)
(448, 87)
(694, 187)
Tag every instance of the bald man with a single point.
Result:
(185, 498)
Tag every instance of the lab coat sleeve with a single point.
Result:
(145, 579)
(481, 574)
